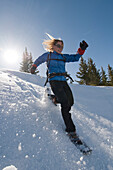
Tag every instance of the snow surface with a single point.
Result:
(32, 130)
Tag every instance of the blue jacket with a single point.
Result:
(56, 66)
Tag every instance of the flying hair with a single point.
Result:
(50, 36)
(48, 44)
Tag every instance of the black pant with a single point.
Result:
(64, 96)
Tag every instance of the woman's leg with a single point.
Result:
(64, 96)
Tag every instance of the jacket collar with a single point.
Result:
(55, 52)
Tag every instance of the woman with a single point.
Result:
(57, 76)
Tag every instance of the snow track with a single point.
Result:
(98, 132)
(32, 130)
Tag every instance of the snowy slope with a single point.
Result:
(32, 131)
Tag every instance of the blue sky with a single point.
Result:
(25, 22)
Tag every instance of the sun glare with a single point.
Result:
(10, 56)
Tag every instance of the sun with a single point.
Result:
(10, 56)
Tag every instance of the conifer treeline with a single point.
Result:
(90, 75)
(25, 65)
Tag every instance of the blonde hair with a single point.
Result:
(48, 44)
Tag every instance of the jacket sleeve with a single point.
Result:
(72, 57)
(41, 59)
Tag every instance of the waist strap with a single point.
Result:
(51, 75)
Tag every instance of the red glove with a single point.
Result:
(33, 68)
(80, 51)
(83, 46)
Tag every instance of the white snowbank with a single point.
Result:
(32, 133)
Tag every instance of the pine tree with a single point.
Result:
(110, 75)
(93, 73)
(30, 63)
(26, 64)
(103, 77)
(82, 74)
